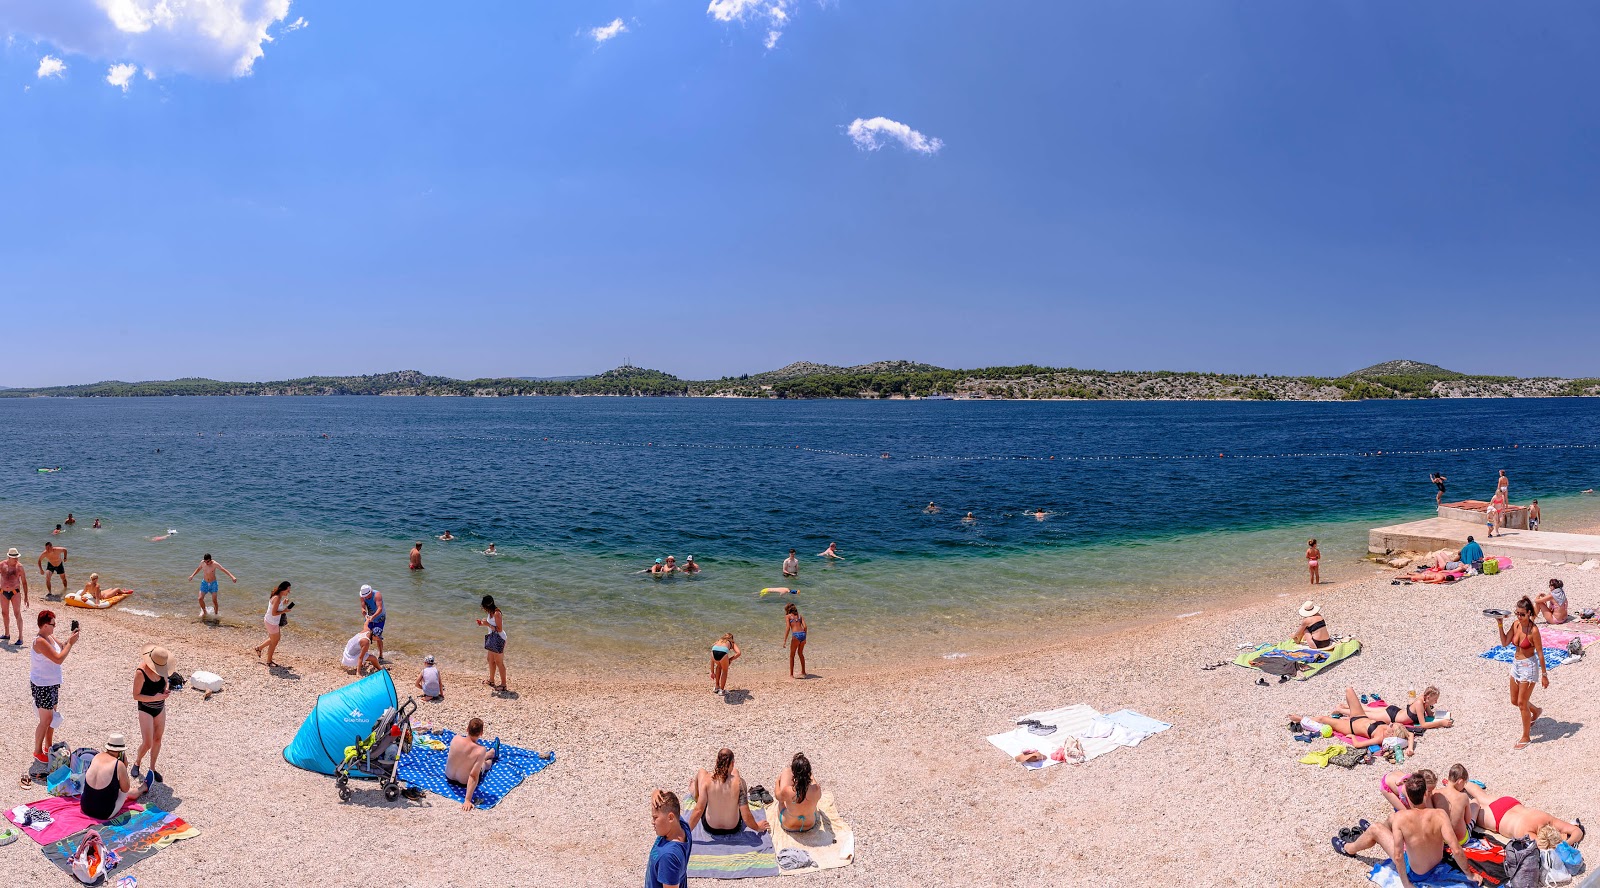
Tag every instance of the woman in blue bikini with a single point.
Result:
(797, 795)
(794, 633)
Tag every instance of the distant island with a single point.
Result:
(886, 379)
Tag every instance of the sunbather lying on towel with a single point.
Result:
(1415, 839)
(1514, 820)
(1417, 714)
(1361, 724)
(722, 800)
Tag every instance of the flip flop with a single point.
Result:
(1520, 744)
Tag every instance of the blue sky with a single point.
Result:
(485, 188)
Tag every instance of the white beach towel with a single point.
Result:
(1141, 725)
(1070, 721)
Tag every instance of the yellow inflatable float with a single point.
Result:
(106, 599)
(779, 590)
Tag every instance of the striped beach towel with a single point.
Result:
(746, 854)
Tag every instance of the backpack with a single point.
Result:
(1523, 866)
(1491, 566)
(92, 860)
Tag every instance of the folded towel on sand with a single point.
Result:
(66, 818)
(424, 768)
(1383, 874)
(831, 843)
(133, 835)
(1505, 653)
(1561, 637)
(1143, 725)
(1300, 653)
(746, 854)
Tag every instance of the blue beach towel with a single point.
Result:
(1553, 657)
(424, 768)
(1136, 722)
(1383, 874)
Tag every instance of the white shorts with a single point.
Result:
(1525, 670)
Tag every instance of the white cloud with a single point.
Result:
(207, 38)
(870, 135)
(120, 74)
(606, 32)
(296, 25)
(50, 66)
(776, 12)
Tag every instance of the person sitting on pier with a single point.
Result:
(1313, 629)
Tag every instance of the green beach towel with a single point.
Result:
(1300, 653)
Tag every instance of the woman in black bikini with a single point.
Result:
(1313, 628)
(1417, 714)
(1361, 724)
(150, 690)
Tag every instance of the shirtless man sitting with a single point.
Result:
(468, 761)
(1422, 829)
(722, 800)
(1514, 820)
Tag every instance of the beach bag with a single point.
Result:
(1523, 867)
(1348, 759)
(1570, 856)
(1491, 566)
(1070, 753)
(1555, 871)
(88, 862)
(1272, 665)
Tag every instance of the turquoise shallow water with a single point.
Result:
(582, 493)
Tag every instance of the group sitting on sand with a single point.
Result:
(722, 798)
(1432, 819)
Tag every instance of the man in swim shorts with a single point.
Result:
(207, 572)
(13, 581)
(791, 565)
(416, 556)
(53, 560)
(468, 760)
(1420, 829)
(1533, 515)
(373, 612)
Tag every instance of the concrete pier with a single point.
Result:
(1448, 533)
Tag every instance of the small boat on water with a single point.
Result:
(937, 397)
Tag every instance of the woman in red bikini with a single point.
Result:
(1527, 666)
(1514, 820)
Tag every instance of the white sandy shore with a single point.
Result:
(1220, 800)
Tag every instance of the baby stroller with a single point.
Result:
(377, 756)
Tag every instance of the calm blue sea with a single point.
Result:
(581, 493)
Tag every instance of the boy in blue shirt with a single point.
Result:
(669, 856)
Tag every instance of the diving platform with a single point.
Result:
(1432, 534)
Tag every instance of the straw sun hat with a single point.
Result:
(1310, 609)
(158, 658)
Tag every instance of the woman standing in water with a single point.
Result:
(277, 606)
(1527, 666)
(495, 642)
(794, 633)
(1314, 558)
(723, 653)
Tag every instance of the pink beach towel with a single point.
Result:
(66, 818)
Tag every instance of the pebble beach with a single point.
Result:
(1220, 798)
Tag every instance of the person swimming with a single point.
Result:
(931, 508)
(969, 519)
(446, 536)
(491, 550)
(831, 553)
(689, 567)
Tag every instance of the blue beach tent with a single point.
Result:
(339, 719)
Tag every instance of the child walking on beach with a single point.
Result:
(794, 633)
(1313, 558)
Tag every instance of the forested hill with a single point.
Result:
(887, 379)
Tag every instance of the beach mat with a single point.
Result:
(831, 843)
(134, 835)
(746, 854)
(424, 769)
(1299, 652)
(66, 815)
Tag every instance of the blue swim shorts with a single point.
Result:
(377, 626)
(208, 588)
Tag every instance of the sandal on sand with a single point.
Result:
(1262, 682)
(1217, 665)
(1521, 744)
